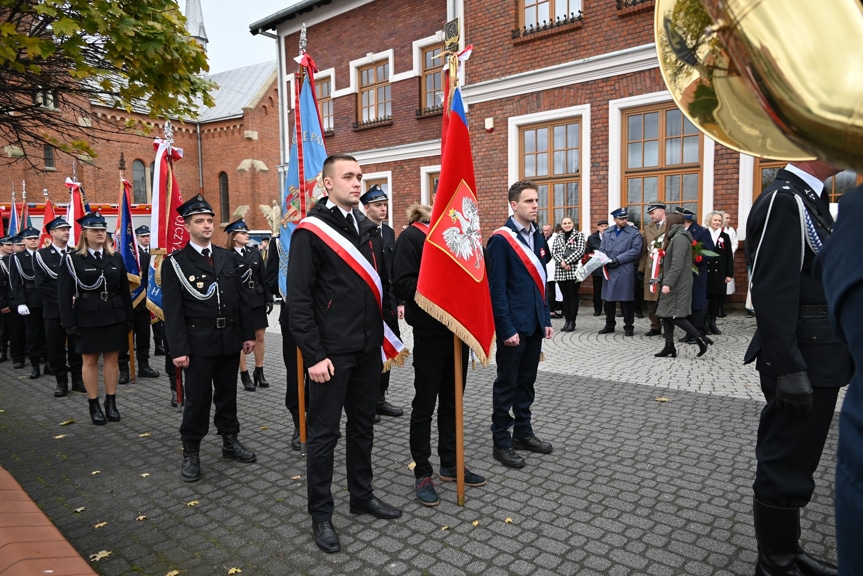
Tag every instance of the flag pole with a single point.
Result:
(130, 334)
(301, 373)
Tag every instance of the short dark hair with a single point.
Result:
(516, 189)
(331, 160)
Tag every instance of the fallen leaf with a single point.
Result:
(508, 520)
(475, 522)
(262, 428)
(297, 477)
(100, 525)
(59, 436)
(193, 503)
(145, 474)
(1, 411)
(234, 571)
(140, 518)
(144, 435)
(661, 399)
(78, 510)
(173, 573)
(66, 422)
(412, 465)
(444, 528)
(99, 555)
(94, 472)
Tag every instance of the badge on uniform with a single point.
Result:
(200, 284)
(192, 278)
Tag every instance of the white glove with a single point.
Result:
(23, 310)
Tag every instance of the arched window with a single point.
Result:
(139, 183)
(224, 201)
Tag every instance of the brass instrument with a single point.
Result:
(769, 78)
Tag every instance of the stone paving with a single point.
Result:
(635, 486)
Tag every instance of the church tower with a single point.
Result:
(195, 22)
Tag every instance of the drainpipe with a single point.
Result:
(282, 121)
(200, 161)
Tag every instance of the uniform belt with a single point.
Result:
(813, 311)
(220, 322)
(98, 295)
(29, 283)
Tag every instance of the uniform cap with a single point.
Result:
(621, 212)
(93, 221)
(58, 222)
(237, 226)
(196, 205)
(374, 194)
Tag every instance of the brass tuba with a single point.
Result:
(769, 78)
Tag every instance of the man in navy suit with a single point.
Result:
(515, 258)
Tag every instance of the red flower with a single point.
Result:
(695, 242)
(699, 258)
(661, 253)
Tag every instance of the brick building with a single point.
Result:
(579, 106)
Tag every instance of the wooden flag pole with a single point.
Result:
(130, 334)
(299, 77)
(459, 420)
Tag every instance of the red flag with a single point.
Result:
(452, 285)
(45, 238)
(76, 209)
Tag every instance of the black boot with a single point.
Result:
(96, 414)
(144, 370)
(712, 326)
(47, 370)
(174, 397)
(17, 364)
(669, 350)
(62, 386)
(111, 408)
(231, 448)
(259, 378)
(702, 346)
(810, 566)
(776, 530)
(295, 439)
(35, 373)
(247, 382)
(3, 356)
(384, 408)
(569, 326)
(78, 383)
(191, 461)
(124, 377)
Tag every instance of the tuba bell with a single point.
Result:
(761, 77)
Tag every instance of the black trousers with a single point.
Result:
(58, 352)
(210, 379)
(289, 356)
(714, 305)
(683, 323)
(570, 299)
(34, 329)
(141, 329)
(16, 334)
(597, 294)
(651, 313)
(434, 383)
(354, 388)
(628, 314)
(159, 335)
(789, 448)
(513, 389)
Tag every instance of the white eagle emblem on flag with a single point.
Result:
(464, 240)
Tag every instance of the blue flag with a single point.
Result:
(14, 225)
(303, 186)
(127, 246)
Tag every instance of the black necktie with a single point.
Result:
(350, 220)
(98, 256)
(243, 252)
(206, 254)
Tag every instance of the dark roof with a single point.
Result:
(294, 9)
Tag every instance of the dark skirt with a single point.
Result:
(102, 339)
(259, 318)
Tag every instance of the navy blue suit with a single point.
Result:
(841, 265)
(519, 308)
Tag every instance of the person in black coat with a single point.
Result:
(800, 361)
(49, 261)
(22, 275)
(720, 270)
(376, 204)
(699, 280)
(207, 324)
(337, 322)
(141, 328)
(96, 311)
(250, 265)
(5, 310)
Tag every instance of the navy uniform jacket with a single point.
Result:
(87, 308)
(516, 301)
(333, 310)
(785, 342)
(699, 281)
(192, 325)
(5, 288)
(252, 274)
(388, 248)
(48, 263)
(23, 278)
(626, 247)
(144, 263)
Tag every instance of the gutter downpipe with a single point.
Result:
(282, 121)
(200, 161)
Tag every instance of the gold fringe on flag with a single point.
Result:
(455, 327)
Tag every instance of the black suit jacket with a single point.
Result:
(252, 272)
(23, 278)
(783, 280)
(48, 263)
(77, 310)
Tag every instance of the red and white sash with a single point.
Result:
(534, 266)
(393, 350)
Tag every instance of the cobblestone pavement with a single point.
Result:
(635, 486)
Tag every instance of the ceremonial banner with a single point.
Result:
(14, 226)
(303, 183)
(77, 208)
(452, 284)
(127, 244)
(45, 238)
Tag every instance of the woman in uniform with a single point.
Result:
(96, 311)
(250, 266)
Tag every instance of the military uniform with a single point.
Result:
(4, 302)
(141, 322)
(801, 362)
(14, 332)
(623, 246)
(654, 234)
(22, 272)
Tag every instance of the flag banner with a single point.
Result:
(127, 244)
(303, 182)
(14, 226)
(452, 285)
(77, 208)
(45, 238)
(25, 221)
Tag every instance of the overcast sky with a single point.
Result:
(227, 24)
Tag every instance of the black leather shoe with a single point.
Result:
(532, 444)
(653, 332)
(568, 327)
(3, 357)
(296, 446)
(606, 330)
(639, 315)
(702, 346)
(508, 457)
(96, 414)
(714, 329)
(111, 408)
(62, 386)
(326, 537)
(47, 370)
(384, 408)
(124, 377)
(669, 350)
(377, 508)
(191, 471)
(231, 448)
(35, 373)
(159, 351)
(174, 397)
(259, 378)
(247, 382)
(17, 364)
(811, 566)
(687, 340)
(377, 418)
(144, 370)
(597, 313)
(629, 332)
(78, 384)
